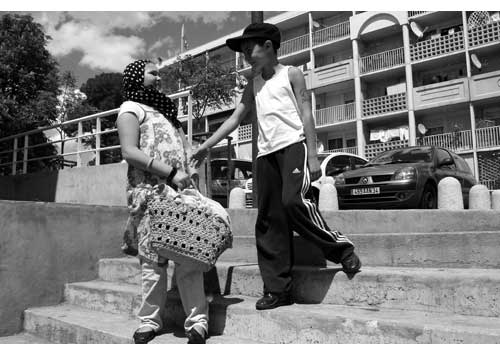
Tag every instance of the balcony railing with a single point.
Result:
(294, 45)
(244, 133)
(331, 33)
(371, 150)
(484, 34)
(332, 73)
(351, 150)
(417, 13)
(385, 104)
(383, 60)
(441, 94)
(335, 114)
(491, 184)
(460, 141)
(488, 137)
(438, 46)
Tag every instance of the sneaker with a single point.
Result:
(144, 337)
(195, 337)
(351, 263)
(271, 300)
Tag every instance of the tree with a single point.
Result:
(28, 85)
(209, 78)
(103, 92)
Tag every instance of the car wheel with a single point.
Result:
(429, 197)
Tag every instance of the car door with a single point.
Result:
(445, 170)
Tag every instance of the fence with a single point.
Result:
(382, 60)
(371, 150)
(438, 46)
(294, 45)
(332, 33)
(93, 122)
(335, 114)
(385, 104)
(459, 141)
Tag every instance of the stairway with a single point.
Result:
(429, 277)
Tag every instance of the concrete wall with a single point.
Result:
(102, 185)
(45, 245)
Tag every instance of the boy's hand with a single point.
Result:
(198, 157)
(314, 168)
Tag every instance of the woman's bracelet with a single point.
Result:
(150, 163)
(172, 174)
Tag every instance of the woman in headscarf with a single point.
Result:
(155, 148)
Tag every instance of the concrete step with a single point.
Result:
(480, 249)
(461, 291)
(235, 316)
(23, 338)
(72, 324)
(382, 221)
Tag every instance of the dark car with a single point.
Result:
(402, 178)
(241, 172)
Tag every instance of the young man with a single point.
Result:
(287, 163)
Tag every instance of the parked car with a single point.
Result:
(242, 171)
(402, 178)
(332, 164)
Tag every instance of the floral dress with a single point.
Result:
(158, 138)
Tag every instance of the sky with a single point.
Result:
(92, 42)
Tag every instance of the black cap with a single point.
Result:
(256, 31)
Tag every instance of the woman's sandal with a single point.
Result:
(144, 337)
(194, 337)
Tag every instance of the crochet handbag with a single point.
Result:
(188, 228)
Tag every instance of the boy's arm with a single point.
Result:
(303, 98)
(242, 109)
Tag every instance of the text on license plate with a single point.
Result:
(365, 191)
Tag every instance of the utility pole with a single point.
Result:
(256, 16)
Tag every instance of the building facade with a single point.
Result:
(382, 80)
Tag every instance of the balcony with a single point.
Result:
(332, 33)
(335, 114)
(382, 61)
(351, 150)
(297, 44)
(307, 78)
(441, 94)
(372, 150)
(437, 47)
(460, 141)
(488, 137)
(485, 85)
(244, 133)
(385, 104)
(485, 34)
(334, 73)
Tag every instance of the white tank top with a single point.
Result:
(278, 115)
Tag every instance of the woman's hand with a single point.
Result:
(181, 180)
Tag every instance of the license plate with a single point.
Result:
(365, 191)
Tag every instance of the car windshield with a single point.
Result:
(406, 155)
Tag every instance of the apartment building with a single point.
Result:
(382, 80)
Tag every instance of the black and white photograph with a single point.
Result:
(303, 177)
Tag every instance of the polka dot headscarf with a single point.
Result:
(134, 90)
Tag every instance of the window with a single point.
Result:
(337, 165)
(350, 143)
(335, 143)
(441, 155)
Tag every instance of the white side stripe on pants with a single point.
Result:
(312, 209)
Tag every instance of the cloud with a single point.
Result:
(98, 35)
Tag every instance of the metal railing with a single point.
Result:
(20, 142)
(351, 150)
(488, 137)
(385, 104)
(294, 45)
(381, 61)
(335, 114)
(417, 13)
(332, 33)
(491, 184)
(371, 150)
(438, 46)
(460, 141)
(484, 34)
